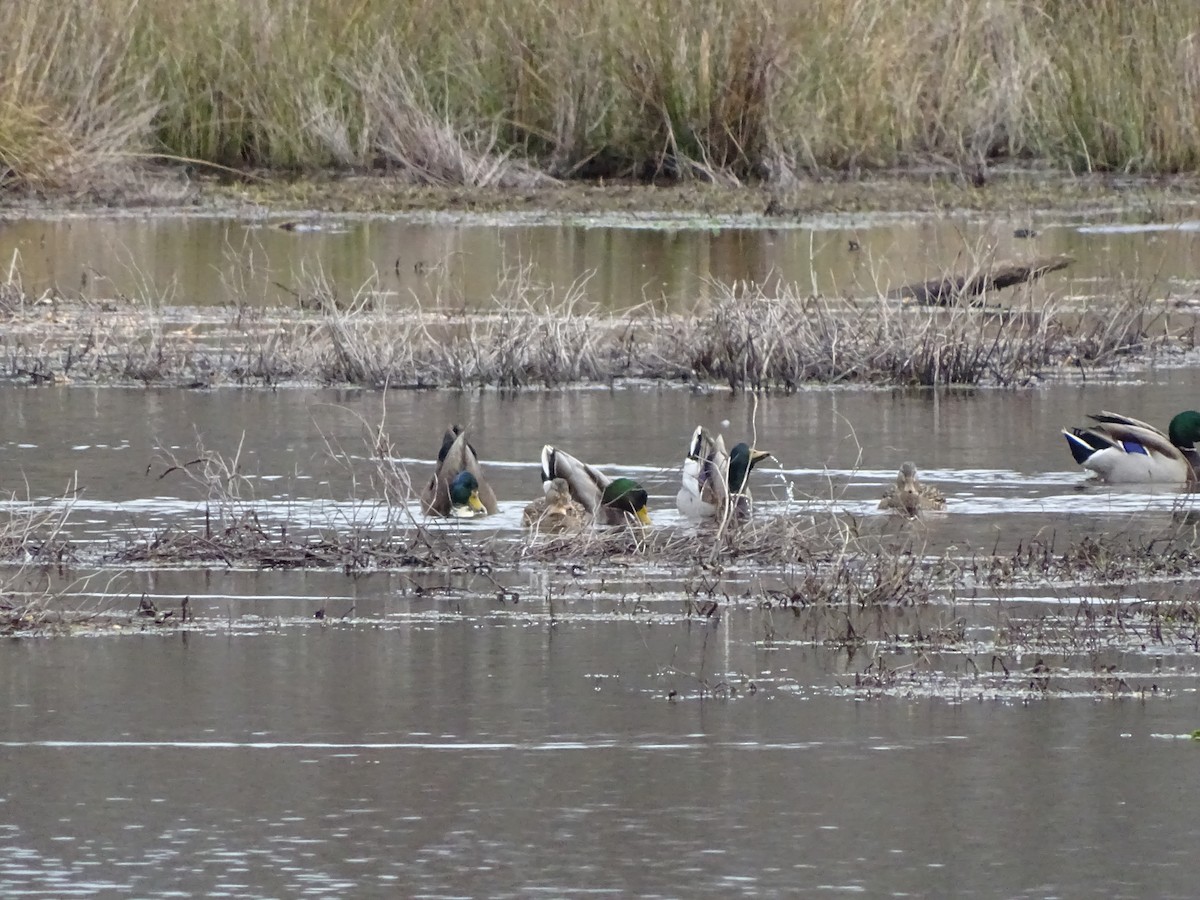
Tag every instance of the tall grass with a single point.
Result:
(459, 90)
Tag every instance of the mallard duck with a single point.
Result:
(715, 479)
(556, 511)
(457, 488)
(609, 500)
(1121, 449)
(909, 496)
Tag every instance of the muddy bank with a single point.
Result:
(214, 190)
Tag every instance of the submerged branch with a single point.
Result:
(995, 277)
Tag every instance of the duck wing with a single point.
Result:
(587, 483)
(1104, 417)
(1129, 434)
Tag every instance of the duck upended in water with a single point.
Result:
(1124, 450)
(714, 480)
(909, 496)
(557, 511)
(456, 488)
(611, 501)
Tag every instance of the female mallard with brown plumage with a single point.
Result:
(457, 489)
(610, 501)
(556, 512)
(909, 496)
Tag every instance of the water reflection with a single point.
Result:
(460, 261)
(468, 760)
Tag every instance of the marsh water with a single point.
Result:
(556, 731)
(614, 262)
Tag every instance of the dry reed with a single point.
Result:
(833, 581)
(33, 545)
(506, 92)
(745, 336)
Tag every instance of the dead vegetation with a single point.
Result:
(508, 92)
(1171, 553)
(991, 277)
(33, 555)
(817, 575)
(745, 336)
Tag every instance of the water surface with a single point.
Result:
(554, 731)
(455, 261)
(482, 759)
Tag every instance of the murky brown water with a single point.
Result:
(460, 260)
(433, 739)
(442, 742)
(486, 758)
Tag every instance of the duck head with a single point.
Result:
(742, 459)
(628, 496)
(1184, 430)
(464, 496)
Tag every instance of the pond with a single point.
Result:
(554, 729)
(459, 260)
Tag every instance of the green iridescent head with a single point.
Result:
(627, 496)
(1184, 429)
(464, 494)
(742, 459)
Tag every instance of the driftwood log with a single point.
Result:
(950, 289)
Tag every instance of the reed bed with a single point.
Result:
(512, 92)
(745, 337)
(1121, 558)
(247, 543)
(40, 608)
(33, 547)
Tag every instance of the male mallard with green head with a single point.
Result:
(611, 501)
(715, 479)
(909, 496)
(1124, 450)
(457, 489)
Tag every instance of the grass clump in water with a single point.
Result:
(746, 336)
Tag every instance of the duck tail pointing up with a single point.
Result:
(1080, 442)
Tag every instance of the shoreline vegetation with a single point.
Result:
(518, 95)
(747, 107)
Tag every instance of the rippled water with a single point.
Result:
(488, 758)
(997, 455)
(432, 740)
(552, 731)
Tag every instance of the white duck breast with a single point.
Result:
(705, 476)
(707, 491)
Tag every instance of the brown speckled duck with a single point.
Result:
(908, 496)
(556, 512)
